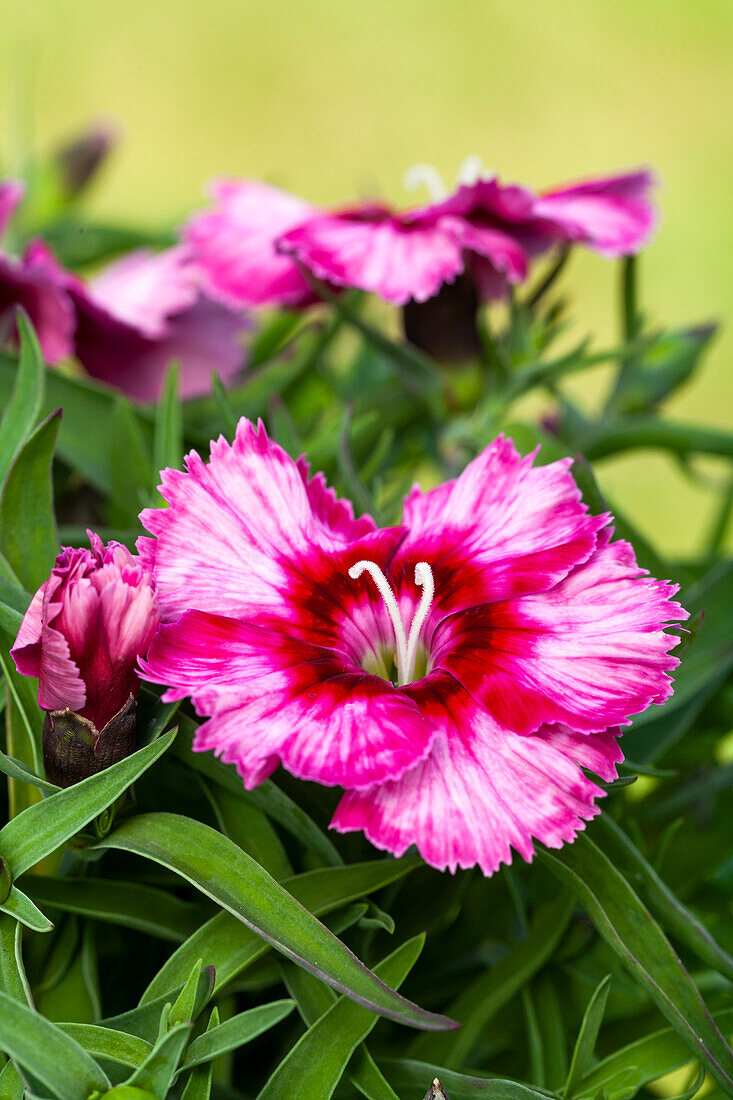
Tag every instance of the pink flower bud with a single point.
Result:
(85, 629)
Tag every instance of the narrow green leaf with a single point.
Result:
(168, 439)
(367, 1077)
(22, 909)
(232, 879)
(15, 769)
(409, 1077)
(56, 1059)
(156, 1073)
(129, 904)
(266, 797)
(632, 933)
(112, 1046)
(250, 829)
(47, 825)
(27, 524)
(625, 1072)
(131, 467)
(11, 1085)
(673, 915)
(227, 945)
(22, 691)
(198, 1086)
(488, 993)
(192, 998)
(12, 973)
(24, 406)
(235, 1032)
(144, 1021)
(552, 1029)
(587, 1036)
(314, 1066)
(612, 435)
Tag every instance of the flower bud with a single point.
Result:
(82, 636)
(79, 160)
(444, 326)
(436, 1092)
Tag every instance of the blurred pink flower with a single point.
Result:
(85, 629)
(250, 243)
(519, 635)
(128, 323)
(234, 243)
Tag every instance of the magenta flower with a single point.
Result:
(85, 629)
(455, 674)
(251, 243)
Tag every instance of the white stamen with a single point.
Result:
(471, 170)
(425, 175)
(406, 645)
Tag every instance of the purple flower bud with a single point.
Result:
(79, 160)
(82, 636)
(436, 1092)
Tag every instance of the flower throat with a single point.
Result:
(406, 642)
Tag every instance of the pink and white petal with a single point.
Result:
(502, 528)
(384, 255)
(612, 214)
(232, 522)
(333, 512)
(234, 245)
(481, 792)
(237, 531)
(11, 195)
(590, 652)
(273, 697)
(144, 289)
(26, 651)
(59, 681)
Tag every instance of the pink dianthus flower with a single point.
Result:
(455, 674)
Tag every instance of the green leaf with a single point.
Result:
(487, 994)
(45, 826)
(587, 1036)
(131, 467)
(198, 1086)
(112, 1046)
(27, 525)
(250, 829)
(22, 909)
(192, 998)
(409, 1078)
(129, 904)
(314, 1066)
(626, 1071)
(12, 972)
(11, 1086)
(673, 915)
(266, 797)
(632, 933)
(168, 439)
(232, 879)
(24, 406)
(144, 1021)
(56, 1059)
(156, 1073)
(612, 435)
(227, 945)
(235, 1032)
(659, 370)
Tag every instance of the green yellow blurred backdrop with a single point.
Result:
(336, 97)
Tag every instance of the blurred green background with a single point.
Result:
(334, 98)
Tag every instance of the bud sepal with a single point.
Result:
(74, 749)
